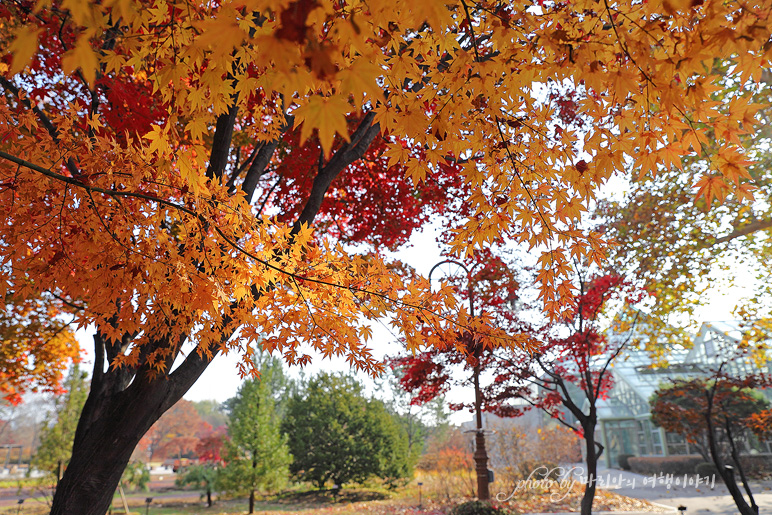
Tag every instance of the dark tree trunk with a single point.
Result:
(251, 501)
(208, 497)
(124, 403)
(738, 464)
(102, 452)
(120, 408)
(592, 469)
(726, 473)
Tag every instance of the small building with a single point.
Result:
(625, 425)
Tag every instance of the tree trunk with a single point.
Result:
(251, 501)
(121, 406)
(101, 454)
(738, 464)
(208, 497)
(592, 470)
(726, 473)
(124, 403)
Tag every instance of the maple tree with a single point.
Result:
(177, 432)
(135, 133)
(210, 447)
(565, 372)
(492, 288)
(496, 286)
(569, 374)
(37, 347)
(206, 473)
(715, 414)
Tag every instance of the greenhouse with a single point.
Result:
(625, 425)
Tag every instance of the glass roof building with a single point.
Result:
(625, 425)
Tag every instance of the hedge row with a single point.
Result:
(676, 465)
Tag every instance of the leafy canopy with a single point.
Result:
(679, 248)
(731, 404)
(118, 116)
(175, 434)
(37, 347)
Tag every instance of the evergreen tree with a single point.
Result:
(59, 428)
(257, 455)
(337, 435)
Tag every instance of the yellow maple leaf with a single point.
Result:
(360, 80)
(197, 127)
(23, 47)
(325, 114)
(83, 57)
(711, 188)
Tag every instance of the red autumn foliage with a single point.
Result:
(176, 433)
(496, 289)
(543, 379)
(210, 447)
(715, 415)
(371, 202)
(579, 360)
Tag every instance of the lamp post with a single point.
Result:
(480, 454)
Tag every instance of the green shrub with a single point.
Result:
(136, 476)
(479, 508)
(676, 465)
(706, 469)
(623, 460)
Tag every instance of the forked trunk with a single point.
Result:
(727, 474)
(120, 408)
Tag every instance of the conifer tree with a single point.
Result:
(257, 455)
(59, 429)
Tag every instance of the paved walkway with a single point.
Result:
(702, 499)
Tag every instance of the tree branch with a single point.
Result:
(221, 145)
(257, 168)
(44, 120)
(754, 226)
(361, 139)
